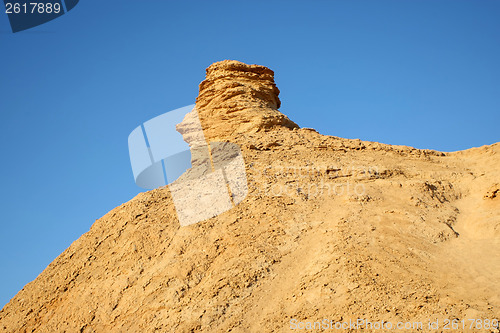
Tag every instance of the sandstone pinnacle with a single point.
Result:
(237, 98)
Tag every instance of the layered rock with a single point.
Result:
(237, 98)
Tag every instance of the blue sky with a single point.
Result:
(420, 73)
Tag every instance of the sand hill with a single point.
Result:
(331, 228)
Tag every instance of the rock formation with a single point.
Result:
(237, 98)
(331, 228)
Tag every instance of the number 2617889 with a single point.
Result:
(32, 8)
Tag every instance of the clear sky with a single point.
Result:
(420, 73)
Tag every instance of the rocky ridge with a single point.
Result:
(331, 228)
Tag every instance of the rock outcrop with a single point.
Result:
(237, 98)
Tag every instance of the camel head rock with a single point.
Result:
(236, 98)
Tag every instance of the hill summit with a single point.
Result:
(236, 98)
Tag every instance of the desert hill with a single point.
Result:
(331, 228)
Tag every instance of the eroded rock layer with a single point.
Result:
(238, 98)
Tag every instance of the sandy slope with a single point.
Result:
(331, 229)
